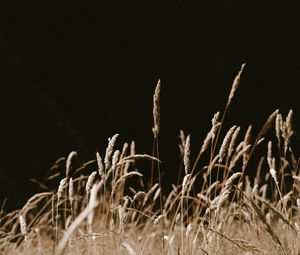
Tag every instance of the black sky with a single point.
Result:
(73, 74)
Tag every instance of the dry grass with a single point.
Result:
(215, 210)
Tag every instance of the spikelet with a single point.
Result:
(189, 228)
(236, 158)
(115, 159)
(109, 150)
(247, 137)
(278, 127)
(225, 144)
(232, 178)
(157, 193)
(187, 154)
(273, 174)
(235, 84)
(269, 158)
(90, 181)
(211, 134)
(233, 141)
(70, 158)
(222, 199)
(100, 166)
(184, 183)
(23, 226)
(138, 195)
(267, 124)
(124, 150)
(288, 121)
(61, 189)
(158, 218)
(132, 148)
(156, 110)
(149, 193)
(71, 188)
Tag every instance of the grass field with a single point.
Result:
(214, 209)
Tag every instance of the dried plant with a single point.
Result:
(204, 214)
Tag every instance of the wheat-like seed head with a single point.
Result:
(156, 195)
(233, 141)
(239, 154)
(71, 191)
(61, 189)
(138, 195)
(109, 150)
(225, 144)
(222, 199)
(278, 126)
(100, 166)
(273, 174)
(149, 193)
(269, 158)
(158, 218)
(288, 121)
(115, 159)
(189, 229)
(70, 158)
(235, 84)
(90, 181)
(132, 148)
(230, 180)
(156, 110)
(185, 183)
(187, 154)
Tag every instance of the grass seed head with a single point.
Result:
(156, 110)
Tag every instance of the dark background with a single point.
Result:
(72, 75)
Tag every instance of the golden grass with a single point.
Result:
(215, 209)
